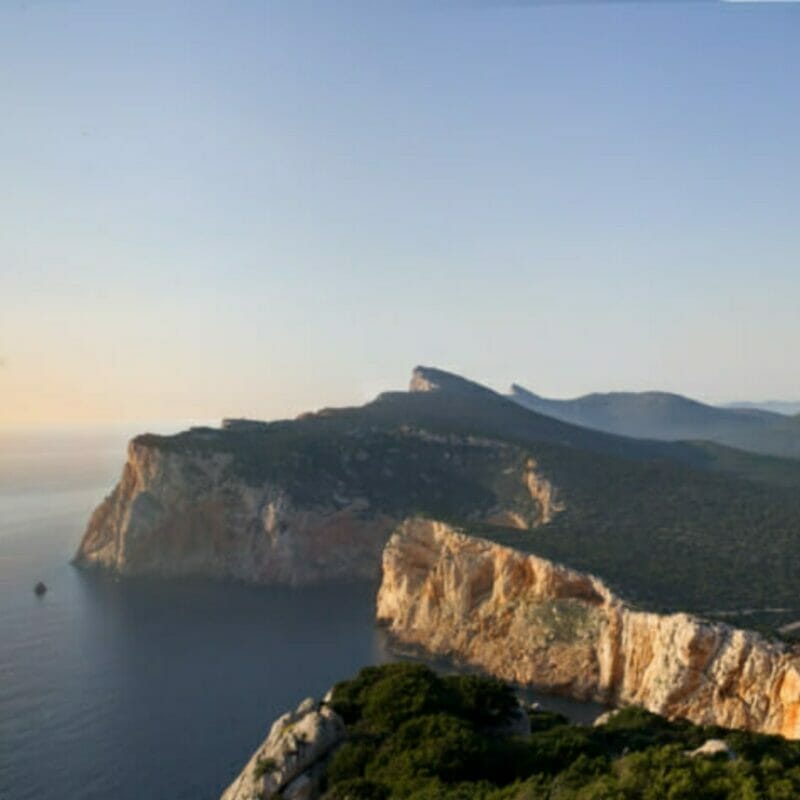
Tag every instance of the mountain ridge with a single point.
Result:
(666, 416)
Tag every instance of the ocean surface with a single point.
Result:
(145, 689)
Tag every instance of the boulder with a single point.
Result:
(711, 748)
(605, 717)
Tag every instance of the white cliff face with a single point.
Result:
(291, 759)
(186, 514)
(533, 622)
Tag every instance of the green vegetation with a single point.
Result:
(413, 734)
(399, 471)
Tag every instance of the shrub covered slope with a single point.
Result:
(414, 734)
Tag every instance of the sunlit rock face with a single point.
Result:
(533, 622)
(188, 514)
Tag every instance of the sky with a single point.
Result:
(257, 208)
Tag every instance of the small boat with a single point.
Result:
(39, 589)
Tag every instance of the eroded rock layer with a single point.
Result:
(533, 622)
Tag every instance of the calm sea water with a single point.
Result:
(144, 689)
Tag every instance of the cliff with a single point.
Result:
(189, 514)
(262, 506)
(527, 620)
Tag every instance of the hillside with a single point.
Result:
(449, 402)
(671, 417)
(670, 526)
(788, 408)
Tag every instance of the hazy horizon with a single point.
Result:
(167, 425)
(245, 209)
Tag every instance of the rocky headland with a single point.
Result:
(527, 620)
(233, 504)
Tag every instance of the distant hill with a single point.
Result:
(775, 406)
(672, 417)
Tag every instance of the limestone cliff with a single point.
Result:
(188, 514)
(533, 622)
(271, 504)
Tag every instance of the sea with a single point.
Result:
(156, 689)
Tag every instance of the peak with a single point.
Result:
(426, 379)
(521, 391)
(430, 379)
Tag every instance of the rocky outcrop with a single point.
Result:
(713, 748)
(543, 493)
(292, 758)
(533, 622)
(184, 513)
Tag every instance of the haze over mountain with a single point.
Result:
(672, 417)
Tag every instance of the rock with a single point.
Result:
(307, 706)
(711, 748)
(605, 717)
(40, 589)
(290, 761)
(535, 623)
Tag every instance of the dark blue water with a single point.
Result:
(143, 689)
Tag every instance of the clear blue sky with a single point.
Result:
(216, 208)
